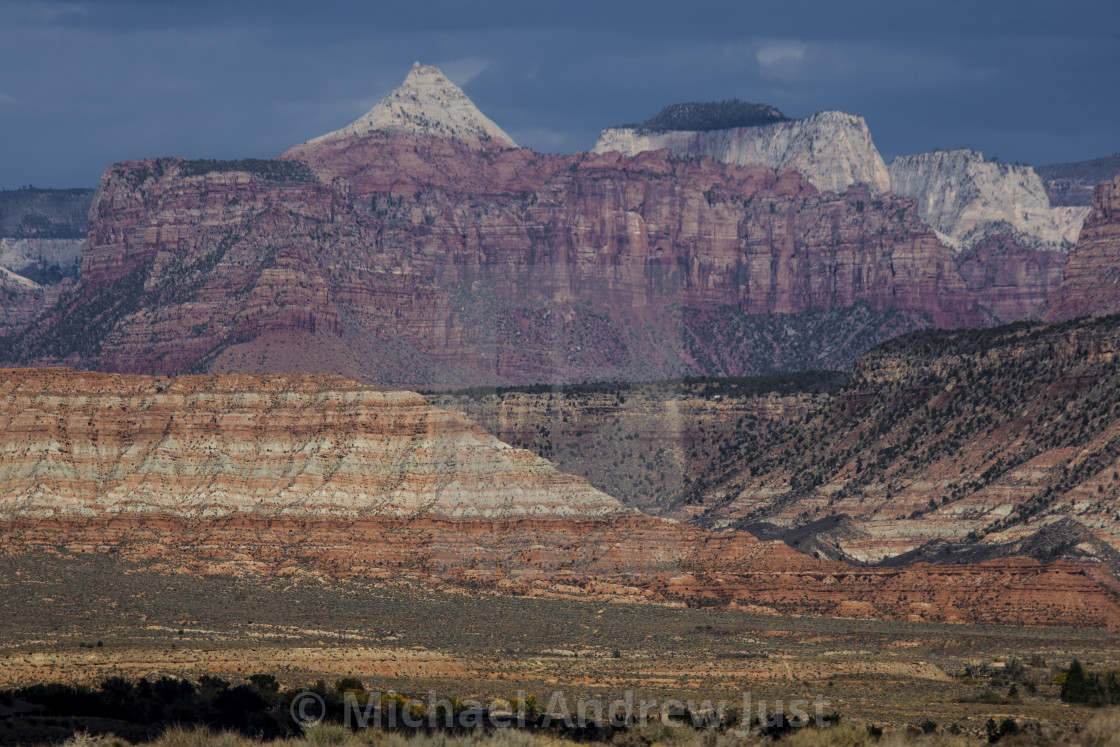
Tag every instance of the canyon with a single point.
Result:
(1091, 281)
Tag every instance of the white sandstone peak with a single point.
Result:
(427, 103)
(966, 198)
(831, 149)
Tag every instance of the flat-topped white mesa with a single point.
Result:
(833, 150)
(427, 103)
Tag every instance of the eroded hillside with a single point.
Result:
(948, 445)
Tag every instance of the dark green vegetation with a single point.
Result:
(714, 115)
(266, 169)
(798, 382)
(1090, 688)
(33, 213)
(270, 170)
(83, 319)
(728, 342)
(143, 709)
(261, 708)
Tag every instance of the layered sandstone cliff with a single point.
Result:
(311, 474)
(554, 269)
(833, 150)
(967, 199)
(1091, 284)
(1010, 281)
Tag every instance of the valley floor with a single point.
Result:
(81, 618)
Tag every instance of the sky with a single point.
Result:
(87, 84)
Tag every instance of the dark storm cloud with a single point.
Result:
(85, 84)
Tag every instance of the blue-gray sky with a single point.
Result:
(86, 84)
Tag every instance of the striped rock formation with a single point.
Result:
(291, 474)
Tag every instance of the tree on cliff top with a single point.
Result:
(712, 115)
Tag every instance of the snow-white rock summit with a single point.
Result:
(427, 103)
(833, 150)
(966, 198)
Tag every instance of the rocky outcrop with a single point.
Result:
(833, 150)
(1091, 286)
(21, 300)
(311, 474)
(427, 103)
(644, 443)
(967, 199)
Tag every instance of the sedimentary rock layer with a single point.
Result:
(310, 474)
(481, 266)
(278, 446)
(1010, 281)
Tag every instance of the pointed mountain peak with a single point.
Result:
(427, 103)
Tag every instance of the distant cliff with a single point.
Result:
(967, 199)
(1073, 183)
(833, 150)
(604, 268)
(1091, 286)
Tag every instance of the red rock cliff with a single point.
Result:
(1092, 277)
(418, 260)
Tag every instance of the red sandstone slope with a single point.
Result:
(296, 474)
